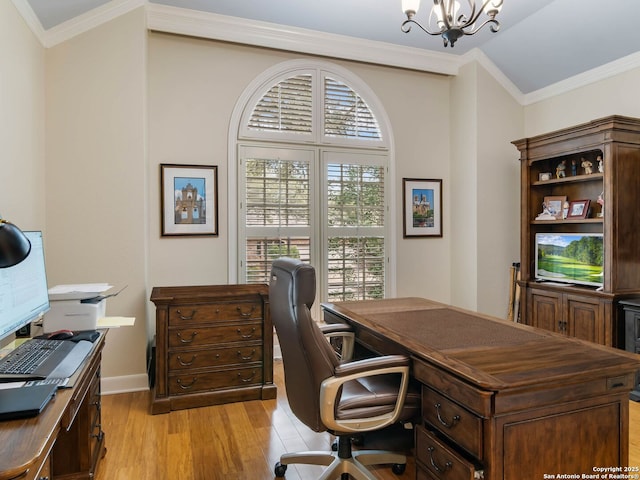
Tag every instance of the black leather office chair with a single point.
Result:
(327, 395)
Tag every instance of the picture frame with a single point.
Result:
(578, 209)
(421, 207)
(554, 205)
(189, 199)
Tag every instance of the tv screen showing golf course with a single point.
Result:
(569, 258)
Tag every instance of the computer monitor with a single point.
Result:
(23, 289)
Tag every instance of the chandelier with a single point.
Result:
(447, 19)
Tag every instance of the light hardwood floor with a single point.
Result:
(238, 441)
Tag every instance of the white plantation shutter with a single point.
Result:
(308, 196)
(286, 107)
(346, 114)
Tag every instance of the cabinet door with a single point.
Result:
(585, 319)
(546, 310)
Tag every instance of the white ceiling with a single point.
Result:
(540, 42)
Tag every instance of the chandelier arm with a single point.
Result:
(406, 27)
(494, 27)
(475, 15)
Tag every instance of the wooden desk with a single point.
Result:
(66, 440)
(501, 400)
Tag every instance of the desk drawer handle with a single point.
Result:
(185, 386)
(187, 317)
(190, 362)
(437, 467)
(189, 340)
(248, 357)
(246, 314)
(253, 330)
(444, 423)
(249, 379)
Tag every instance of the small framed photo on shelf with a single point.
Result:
(545, 176)
(553, 205)
(189, 195)
(578, 209)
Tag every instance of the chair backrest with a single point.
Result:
(307, 357)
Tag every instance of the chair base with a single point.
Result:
(343, 462)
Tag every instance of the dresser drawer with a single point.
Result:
(186, 314)
(182, 384)
(214, 357)
(200, 336)
(454, 421)
(439, 460)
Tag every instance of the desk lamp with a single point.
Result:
(14, 245)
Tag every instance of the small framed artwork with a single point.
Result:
(578, 209)
(553, 206)
(421, 207)
(189, 198)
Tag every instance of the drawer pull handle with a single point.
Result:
(249, 379)
(246, 314)
(187, 340)
(437, 467)
(248, 357)
(190, 362)
(187, 317)
(185, 386)
(452, 423)
(253, 330)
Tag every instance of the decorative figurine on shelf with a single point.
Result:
(560, 169)
(601, 203)
(565, 209)
(600, 164)
(546, 213)
(574, 167)
(588, 166)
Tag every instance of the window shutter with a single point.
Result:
(286, 107)
(346, 114)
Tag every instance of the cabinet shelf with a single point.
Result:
(568, 221)
(575, 179)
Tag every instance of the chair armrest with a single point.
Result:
(331, 388)
(345, 333)
(368, 364)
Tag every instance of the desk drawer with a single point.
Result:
(200, 382)
(439, 460)
(454, 421)
(200, 336)
(213, 312)
(214, 357)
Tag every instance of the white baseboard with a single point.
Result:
(124, 384)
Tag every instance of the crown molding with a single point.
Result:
(213, 26)
(594, 75)
(479, 56)
(30, 18)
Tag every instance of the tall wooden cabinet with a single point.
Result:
(552, 166)
(214, 344)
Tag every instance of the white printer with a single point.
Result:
(77, 307)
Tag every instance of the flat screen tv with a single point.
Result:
(575, 258)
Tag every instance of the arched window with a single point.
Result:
(312, 155)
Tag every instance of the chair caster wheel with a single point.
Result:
(398, 468)
(280, 470)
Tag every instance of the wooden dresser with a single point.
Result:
(65, 441)
(214, 344)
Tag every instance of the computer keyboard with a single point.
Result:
(39, 359)
(27, 357)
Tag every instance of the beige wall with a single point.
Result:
(617, 95)
(194, 85)
(22, 126)
(97, 177)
